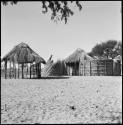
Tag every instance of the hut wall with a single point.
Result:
(117, 68)
(109, 67)
(101, 69)
(86, 68)
(94, 68)
(81, 69)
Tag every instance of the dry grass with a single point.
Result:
(77, 99)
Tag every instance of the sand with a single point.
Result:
(78, 99)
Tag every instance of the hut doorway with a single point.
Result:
(36, 70)
(73, 69)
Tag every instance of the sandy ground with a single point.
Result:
(76, 99)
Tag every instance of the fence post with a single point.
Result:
(79, 67)
(40, 70)
(5, 69)
(83, 68)
(112, 68)
(10, 70)
(105, 68)
(22, 70)
(97, 68)
(90, 68)
(18, 70)
(69, 70)
(30, 70)
(121, 67)
(15, 71)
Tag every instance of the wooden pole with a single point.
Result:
(79, 68)
(15, 71)
(33, 70)
(98, 72)
(90, 68)
(84, 68)
(69, 70)
(75, 69)
(97, 69)
(27, 71)
(30, 70)
(22, 71)
(37, 70)
(5, 69)
(40, 70)
(18, 70)
(10, 70)
(105, 68)
(113, 68)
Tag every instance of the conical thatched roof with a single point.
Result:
(22, 53)
(77, 56)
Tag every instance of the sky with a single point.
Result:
(98, 22)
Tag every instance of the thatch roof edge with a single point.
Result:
(14, 55)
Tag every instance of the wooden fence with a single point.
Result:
(85, 68)
(95, 68)
(28, 72)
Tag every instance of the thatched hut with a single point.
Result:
(77, 62)
(22, 55)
